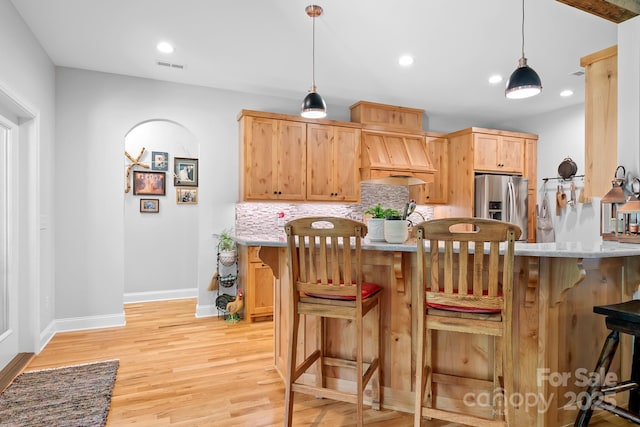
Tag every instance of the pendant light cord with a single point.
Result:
(523, 28)
(313, 54)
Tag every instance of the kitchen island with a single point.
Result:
(557, 337)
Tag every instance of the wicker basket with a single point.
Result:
(227, 258)
(227, 281)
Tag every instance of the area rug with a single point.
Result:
(62, 397)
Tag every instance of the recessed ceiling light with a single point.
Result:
(405, 60)
(566, 93)
(165, 47)
(496, 78)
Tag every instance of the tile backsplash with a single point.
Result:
(265, 217)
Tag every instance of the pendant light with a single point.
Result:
(524, 81)
(313, 106)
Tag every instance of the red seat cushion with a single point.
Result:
(479, 310)
(368, 290)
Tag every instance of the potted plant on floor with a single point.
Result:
(227, 248)
(375, 223)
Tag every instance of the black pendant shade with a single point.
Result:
(313, 106)
(524, 82)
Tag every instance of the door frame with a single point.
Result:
(23, 210)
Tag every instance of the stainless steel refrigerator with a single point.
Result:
(504, 198)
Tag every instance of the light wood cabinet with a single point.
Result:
(464, 148)
(285, 157)
(601, 120)
(273, 159)
(531, 173)
(498, 153)
(434, 192)
(333, 163)
(257, 280)
(387, 116)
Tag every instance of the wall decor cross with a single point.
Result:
(134, 162)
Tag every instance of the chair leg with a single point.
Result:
(291, 368)
(359, 369)
(634, 395)
(508, 376)
(593, 391)
(420, 374)
(376, 351)
(428, 381)
(320, 328)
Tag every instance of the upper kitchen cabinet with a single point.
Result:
(333, 163)
(290, 158)
(474, 151)
(434, 192)
(273, 158)
(385, 116)
(498, 153)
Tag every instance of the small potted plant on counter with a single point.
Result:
(227, 248)
(375, 224)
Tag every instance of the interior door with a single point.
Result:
(8, 288)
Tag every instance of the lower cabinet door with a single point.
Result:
(260, 298)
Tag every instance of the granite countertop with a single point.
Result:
(557, 249)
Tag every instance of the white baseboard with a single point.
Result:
(115, 320)
(208, 310)
(90, 322)
(134, 297)
(46, 335)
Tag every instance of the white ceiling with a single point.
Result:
(264, 46)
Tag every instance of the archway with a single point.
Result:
(160, 248)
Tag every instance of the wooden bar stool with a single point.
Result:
(621, 318)
(325, 275)
(470, 293)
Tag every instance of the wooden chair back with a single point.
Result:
(325, 255)
(479, 242)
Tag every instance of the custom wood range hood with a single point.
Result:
(613, 10)
(389, 158)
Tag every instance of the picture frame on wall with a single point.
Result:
(185, 172)
(149, 183)
(150, 205)
(186, 196)
(159, 161)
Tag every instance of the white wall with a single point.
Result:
(629, 97)
(561, 135)
(28, 74)
(95, 112)
(159, 248)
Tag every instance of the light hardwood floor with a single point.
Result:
(181, 371)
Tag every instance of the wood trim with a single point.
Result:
(612, 10)
(493, 132)
(599, 56)
(13, 369)
(278, 116)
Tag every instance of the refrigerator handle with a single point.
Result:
(511, 202)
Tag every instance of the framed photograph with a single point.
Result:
(159, 161)
(149, 183)
(187, 196)
(150, 205)
(185, 172)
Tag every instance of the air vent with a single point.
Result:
(170, 65)
(577, 73)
